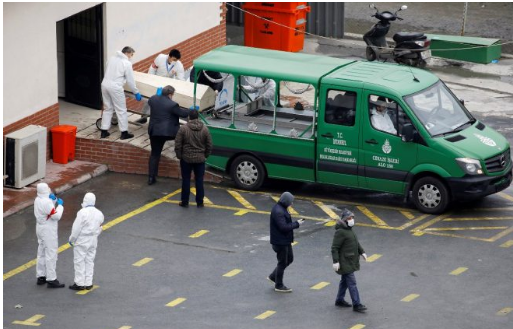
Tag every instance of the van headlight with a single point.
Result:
(470, 166)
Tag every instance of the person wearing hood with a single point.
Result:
(84, 240)
(193, 145)
(119, 71)
(47, 222)
(164, 125)
(282, 235)
(346, 251)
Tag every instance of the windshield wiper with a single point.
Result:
(460, 127)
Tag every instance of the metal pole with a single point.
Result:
(464, 19)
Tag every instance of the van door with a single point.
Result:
(388, 159)
(338, 136)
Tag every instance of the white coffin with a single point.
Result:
(184, 90)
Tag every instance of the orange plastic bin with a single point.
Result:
(287, 34)
(63, 143)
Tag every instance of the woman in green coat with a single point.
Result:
(346, 252)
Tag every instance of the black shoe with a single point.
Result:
(359, 308)
(126, 135)
(271, 279)
(282, 289)
(183, 204)
(89, 287)
(75, 287)
(342, 303)
(200, 205)
(151, 180)
(54, 284)
(41, 280)
(142, 120)
(105, 134)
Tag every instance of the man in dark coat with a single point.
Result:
(282, 236)
(165, 117)
(346, 251)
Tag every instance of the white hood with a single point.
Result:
(89, 200)
(43, 190)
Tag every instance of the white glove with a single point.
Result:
(364, 255)
(300, 221)
(336, 267)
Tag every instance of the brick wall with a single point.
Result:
(48, 117)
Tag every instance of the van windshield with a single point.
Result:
(439, 110)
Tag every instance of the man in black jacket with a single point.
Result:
(165, 117)
(282, 236)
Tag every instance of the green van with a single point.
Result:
(367, 125)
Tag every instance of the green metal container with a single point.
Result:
(470, 49)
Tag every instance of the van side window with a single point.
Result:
(340, 108)
(386, 115)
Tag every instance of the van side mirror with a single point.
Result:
(462, 101)
(408, 132)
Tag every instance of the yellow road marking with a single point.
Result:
(491, 209)
(320, 285)
(30, 321)
(407, 214)
(125, 327)
(466, 228)
(198, 234)
(507, 244)
(291, 210)
(85, 292)
(505, 311)
(327, 210)
(459, 270)
(505, 196)
(142, 262)
(413, 222)
(105, 227)
(294, 243)
(175, 302)
(409, 298)
(358, 326)
(476, 218)
(331, 223)
(205, 199)
(502, 234)
(373, 258)
(241, 213)
(418, 230)
(241, 200)
(264, 315)
(232, 273)
(371, 216)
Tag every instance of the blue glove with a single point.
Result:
(71, 244)
(138, 97)
(159, 91)
(60, 202)
(53, 197)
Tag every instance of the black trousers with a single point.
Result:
(285, 257)
(157, 144)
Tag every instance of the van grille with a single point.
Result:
(498, 162)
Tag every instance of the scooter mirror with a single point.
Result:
(372, 6)
(404, 7)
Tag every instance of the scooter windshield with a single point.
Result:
(439, 110)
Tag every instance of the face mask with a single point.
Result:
(350, 223)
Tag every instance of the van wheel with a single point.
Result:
(370, 54)
(430, 195)
(247, 172)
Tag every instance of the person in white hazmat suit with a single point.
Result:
(47, 221)
(119, 71)
(84, 240)
(257, 87)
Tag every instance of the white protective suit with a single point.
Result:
(162, 68)
(119, 71)
(266, 92)
(381, 121)
(47, 219)
(84, 237)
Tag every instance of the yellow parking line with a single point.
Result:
(505, 311)
(320, 285)
(241, 200)
(85, 292)
(142, 262)
(30, 321)
(358, 326)
(264, 315)
(198, 234)
(407, 214)
(454, 236)
(466, 228)
(507, 244)
(125, 327)
(502, 234)
(294, 243)
(291, 210)
(505, 196)
(373, 258)
(371, 216)
(327, 210)
(232, 273)
(418, 230)
(409, 298)
(205, 199)
(459, 270)
(105, 227)
(476, 218)
(413, 222)
(175, 302)
(241, 213)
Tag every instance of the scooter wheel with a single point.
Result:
(370, 54)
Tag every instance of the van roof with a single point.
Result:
(376, 75)
(279, 65)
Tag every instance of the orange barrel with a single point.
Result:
(63, 143)
(287, 35)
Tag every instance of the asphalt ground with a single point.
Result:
(207, 267)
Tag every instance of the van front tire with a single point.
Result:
(430, 195)
(247, 172)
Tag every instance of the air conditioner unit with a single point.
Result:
(25, 156)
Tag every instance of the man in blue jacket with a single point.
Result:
(282, 236)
